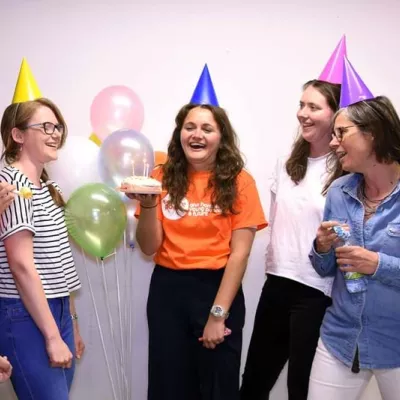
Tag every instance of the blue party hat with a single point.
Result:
(204, 92)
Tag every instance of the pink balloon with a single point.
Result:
(114, 108)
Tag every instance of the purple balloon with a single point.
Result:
(114, 108)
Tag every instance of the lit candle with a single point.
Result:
(133, 167)
(144, 166)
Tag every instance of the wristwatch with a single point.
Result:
(219, 312)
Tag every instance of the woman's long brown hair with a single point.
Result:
(296, 165)
(229, 163)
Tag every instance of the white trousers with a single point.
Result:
(332, 380)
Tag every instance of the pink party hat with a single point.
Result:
(333, 71)
(353, 88)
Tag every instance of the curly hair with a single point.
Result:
(228, 164)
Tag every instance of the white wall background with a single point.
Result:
(259, 54)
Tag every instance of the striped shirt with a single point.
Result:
(51, 250)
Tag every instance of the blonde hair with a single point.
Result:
(18, 116)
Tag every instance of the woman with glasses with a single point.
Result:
(38, 323)
(360, 334)
(294, 297)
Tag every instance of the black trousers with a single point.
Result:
(286, 327)
(180, 368)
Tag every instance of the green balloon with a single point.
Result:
(96, 218)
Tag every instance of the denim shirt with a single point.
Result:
(370, 319)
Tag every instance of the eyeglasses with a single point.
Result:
(48, 127)
(340, 132)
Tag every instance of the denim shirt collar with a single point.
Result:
(352, 184)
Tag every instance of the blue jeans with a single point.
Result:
(22, 342)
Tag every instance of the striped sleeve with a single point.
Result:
(19, 215)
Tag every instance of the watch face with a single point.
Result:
(217, 311)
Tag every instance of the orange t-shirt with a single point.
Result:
(199, 238)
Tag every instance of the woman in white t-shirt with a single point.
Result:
(38, 323)
(294, 297)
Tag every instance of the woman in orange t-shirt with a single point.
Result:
(201, 230)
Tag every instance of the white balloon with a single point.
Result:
(76, 164)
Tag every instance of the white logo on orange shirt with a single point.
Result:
(169, 211)
(202, 209)
(192, 209)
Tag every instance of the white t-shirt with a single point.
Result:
(296, 213)
(51, 250)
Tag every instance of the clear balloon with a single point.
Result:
(76, 164)
(96, 219)
(114, 108)
(125, 153)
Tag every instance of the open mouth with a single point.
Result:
(340, 155)
(197, 146)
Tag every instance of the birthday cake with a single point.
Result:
(140, 185)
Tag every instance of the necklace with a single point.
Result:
(370, 206)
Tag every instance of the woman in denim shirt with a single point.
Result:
(360, 334)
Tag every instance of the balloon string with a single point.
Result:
(116, 350)
(130, 352)
(125, 317)
(128, 299)
(120, 320)
(99, 325)
(124, 324)
(109, 255)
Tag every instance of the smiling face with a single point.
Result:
(315, 116)
(200, 138)
(36, 144)
(353, 147)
